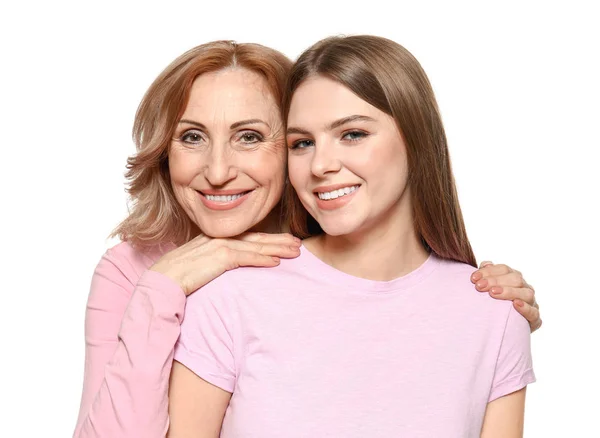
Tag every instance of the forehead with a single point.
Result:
(230, 95)
(320, 100)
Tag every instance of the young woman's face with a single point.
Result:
(346, 159)
(227, 157)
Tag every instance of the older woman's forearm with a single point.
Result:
(128, 354)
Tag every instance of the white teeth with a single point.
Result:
(334, 194)
(225, 198)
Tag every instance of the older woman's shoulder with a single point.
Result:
(131, 261)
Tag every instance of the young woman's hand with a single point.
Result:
(505, 283)
(203, 259)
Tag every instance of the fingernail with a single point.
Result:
(476, 275)
(482, 283)
(496, 290)
(294, 248)
(275, 259)
(519, 303)
(297, 239)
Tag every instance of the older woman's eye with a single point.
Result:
(250, 137)
(191, 137)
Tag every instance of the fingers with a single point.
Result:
(531, 314)
(490, 270)
(511, 279)
(284, 250)
(485, 263)
(505, 283)
(251, 258)
(282, 239)
(524, 294)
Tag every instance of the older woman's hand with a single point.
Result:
(203, 259)
(505, 283)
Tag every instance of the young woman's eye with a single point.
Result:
(354, 135)
(301, 144)
(191, 137)
(250, 137)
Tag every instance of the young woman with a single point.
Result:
(210, 162)
(371, 331)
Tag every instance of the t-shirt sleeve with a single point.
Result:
(206, 342)
(514, 368)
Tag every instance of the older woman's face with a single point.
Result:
(227, 158)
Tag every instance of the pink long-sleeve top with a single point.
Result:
(133, 320)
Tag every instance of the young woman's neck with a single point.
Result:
(383, 252)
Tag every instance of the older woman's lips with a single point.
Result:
(224, 199)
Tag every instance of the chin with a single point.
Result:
(339, 228)
(224, 229)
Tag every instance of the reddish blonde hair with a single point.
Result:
(155, 215)
(387, 76)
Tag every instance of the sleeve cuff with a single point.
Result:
(203, 369)
(170, 295)
(512, 384)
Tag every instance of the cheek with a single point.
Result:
(297, 172)
(387, 161)
(266, 167)
(182, 168)
(391, 176)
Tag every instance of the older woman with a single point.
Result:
(205, 184)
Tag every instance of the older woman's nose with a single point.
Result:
(221, 167)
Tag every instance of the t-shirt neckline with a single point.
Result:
(342, 279)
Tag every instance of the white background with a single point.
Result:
(518, 88)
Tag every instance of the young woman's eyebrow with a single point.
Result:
(333, 125)
(354, 118)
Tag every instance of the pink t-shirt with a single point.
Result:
(309, 351)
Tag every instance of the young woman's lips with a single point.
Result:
(338, 196)
(225, 199)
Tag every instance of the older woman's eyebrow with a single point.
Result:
(233, 126)
(191, 122)
(248, 122)
(333, 125)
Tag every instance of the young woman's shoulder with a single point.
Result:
(456, 278)
(244, 281)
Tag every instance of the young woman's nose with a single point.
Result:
(325, 159)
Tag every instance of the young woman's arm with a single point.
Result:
(504, 416)
(513, 372)
(204, 373)
(196, 408)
